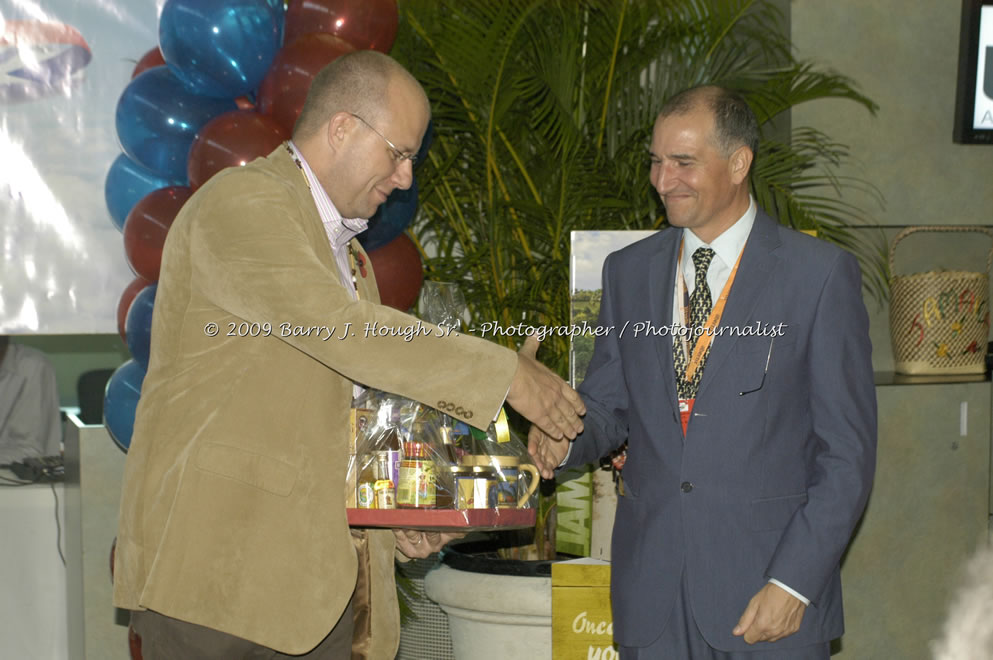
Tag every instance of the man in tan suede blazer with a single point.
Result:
(233, 538)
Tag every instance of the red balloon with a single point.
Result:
(399, 272)
(152, 58)
(124, 304)
(285, 86)
(244, 103)
(230, 140)
(146, 226)
(366, 24)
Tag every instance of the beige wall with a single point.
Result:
(903, 55)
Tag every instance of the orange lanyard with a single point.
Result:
(702, 342)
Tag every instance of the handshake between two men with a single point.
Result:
(553, 408)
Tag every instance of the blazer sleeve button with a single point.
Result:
(686, 486)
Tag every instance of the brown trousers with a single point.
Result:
(165, 638)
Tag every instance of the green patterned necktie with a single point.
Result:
(700, 304)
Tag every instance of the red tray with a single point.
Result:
(463, 520)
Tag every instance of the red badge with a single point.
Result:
(685, 409)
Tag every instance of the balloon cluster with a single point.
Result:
(225, 86)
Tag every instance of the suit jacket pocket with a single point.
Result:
(775, 512)
(264, 472)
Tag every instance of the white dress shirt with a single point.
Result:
(727, 248)
(340, 231)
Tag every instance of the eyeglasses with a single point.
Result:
(762, 382)
(398, 156)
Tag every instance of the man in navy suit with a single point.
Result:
(752, 438)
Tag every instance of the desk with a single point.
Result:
(32, 575)
(94, 469)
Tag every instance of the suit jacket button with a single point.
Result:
(686, 486)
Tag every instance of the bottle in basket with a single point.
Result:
(417, 485)
(383, 490)
(367, 478)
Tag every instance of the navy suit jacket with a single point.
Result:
(777, 462)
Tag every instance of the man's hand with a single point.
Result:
(418, 545)
(547, 452)
(544, 398)
(772, 613)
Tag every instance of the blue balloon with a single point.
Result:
(279, 11)
(120, 400)
(157, 119)
(138, 325)
(391, 219)
(126, 183)
(219, 48)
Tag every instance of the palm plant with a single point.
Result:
(542, 114)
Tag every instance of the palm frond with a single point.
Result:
(543, 110)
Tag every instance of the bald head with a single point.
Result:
(358, 83)
(363, 116)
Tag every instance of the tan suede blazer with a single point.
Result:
(232, 511)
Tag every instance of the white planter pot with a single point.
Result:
(494, 616)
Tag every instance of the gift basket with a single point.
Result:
(416, 467)
(413, 466)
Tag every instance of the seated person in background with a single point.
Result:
(29, 404)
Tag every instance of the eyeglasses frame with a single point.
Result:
(767, 359)
(398, 156)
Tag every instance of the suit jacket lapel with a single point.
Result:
(661, 285)
(284, 164)
(757, 264)
(314, 226)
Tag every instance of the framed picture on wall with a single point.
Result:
(974, 93)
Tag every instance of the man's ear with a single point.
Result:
(338, 128)
(739, 164)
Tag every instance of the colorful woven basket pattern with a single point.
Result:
(939, 320)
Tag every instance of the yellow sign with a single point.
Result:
(582, 623)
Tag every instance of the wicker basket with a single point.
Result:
(939, 320)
